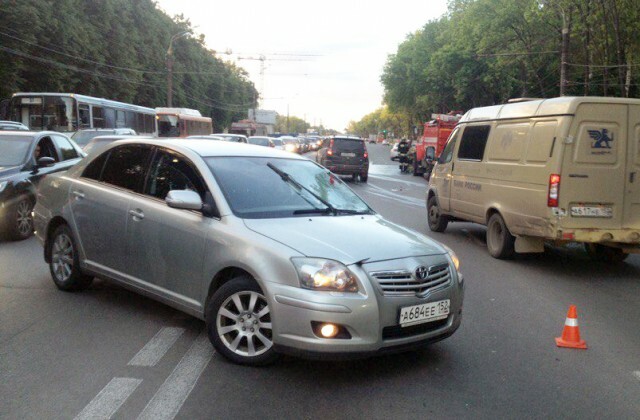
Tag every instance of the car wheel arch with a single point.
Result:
(225, 275)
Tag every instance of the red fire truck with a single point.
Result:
(434, 138)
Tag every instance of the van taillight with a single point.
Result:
(554, 190)
(330, 149)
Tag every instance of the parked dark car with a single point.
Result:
(345, 155)
(26, 157)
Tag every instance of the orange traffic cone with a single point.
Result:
(571, 333)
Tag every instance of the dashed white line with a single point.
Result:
(157, 347)
(166, 403)
(637, 374)
(109, 400)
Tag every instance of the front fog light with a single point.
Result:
(329, 330)
(328, 275)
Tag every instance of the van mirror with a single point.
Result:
(184, 199)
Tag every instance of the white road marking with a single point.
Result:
(637, 374)
(166, 403)
(157, 347)
(401, 181)
(109, 400)
(412, 201)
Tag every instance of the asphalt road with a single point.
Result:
(109, 352)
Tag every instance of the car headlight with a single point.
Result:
(3, 185)
(453, 256)
(328, 275)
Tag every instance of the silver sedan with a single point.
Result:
(271, 250)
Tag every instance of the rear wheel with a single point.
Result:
(606, 254)
(239, 323)
(21, 220)
(364, 176)
(437, 221)
(500, 242)
(65, 265)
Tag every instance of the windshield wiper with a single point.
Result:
(287, 178)
(350, 211)
(313, 211)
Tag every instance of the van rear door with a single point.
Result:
(631, 218)
(594, 174)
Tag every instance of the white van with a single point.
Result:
(562, 170)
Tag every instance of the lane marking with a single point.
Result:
(376, 190)
(157, 347)
(401, 181)
(110, 399)
(637, 374)
(168, 400)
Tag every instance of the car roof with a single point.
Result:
(208, 148)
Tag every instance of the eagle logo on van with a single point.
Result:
(601, 139)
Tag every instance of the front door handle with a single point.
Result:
(78, 194)
(137, 214)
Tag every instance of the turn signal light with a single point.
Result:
(554, 190)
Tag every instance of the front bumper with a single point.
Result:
(370, 318)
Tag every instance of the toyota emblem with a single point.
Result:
(422, 272)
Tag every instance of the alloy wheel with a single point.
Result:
(243, 323)
(62, 257)
(24, 219)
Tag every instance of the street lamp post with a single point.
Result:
(170, 67)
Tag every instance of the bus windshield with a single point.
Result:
(53, 113)
(168, 126)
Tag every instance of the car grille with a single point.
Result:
(404, 283)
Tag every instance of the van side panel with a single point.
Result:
(631, 218)
(513, 177)
(594, 168)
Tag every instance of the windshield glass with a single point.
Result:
(256, 191)
(13, 150)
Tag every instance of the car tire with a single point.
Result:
(64, 264)
(364, 177)
(21, 220)
(237, 332)
(437, 221)
(500, 242)
(606, 254)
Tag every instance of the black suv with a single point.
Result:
(25, 157)
(345, 155)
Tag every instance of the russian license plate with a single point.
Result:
(348, 154)
(591, 211)
(427, 312)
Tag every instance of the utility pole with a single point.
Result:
(563, 54)
(170, 67)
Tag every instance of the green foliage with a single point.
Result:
(484, 52)
(116, 49)
(291, 124)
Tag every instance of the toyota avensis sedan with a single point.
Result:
(271, 250)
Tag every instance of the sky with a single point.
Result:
(323, 60)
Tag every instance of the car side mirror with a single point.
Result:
(184, 199)
(45, 162)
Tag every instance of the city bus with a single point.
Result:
(182, 122)
(69, 112)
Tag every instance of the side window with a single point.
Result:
(126, 166)
(473, 142)
(85, 121)
(98, 117)
(67, 151)
(45, 148)
(447, 153)
(171, 171)
(94, 169)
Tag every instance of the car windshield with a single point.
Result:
(277, 142)
(13, 150)
(262, 141)
(260, 188)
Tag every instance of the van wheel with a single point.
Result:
(364, 177)
(500, 242)
(437, 221)
(606, 254)
(65, 265)
(239, 323)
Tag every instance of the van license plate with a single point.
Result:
(348, 154)
(590, 211)
(427, 312)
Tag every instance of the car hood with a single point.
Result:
(348, 239)
(7, 171)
